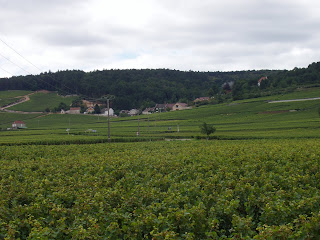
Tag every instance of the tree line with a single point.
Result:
(279, 82)
(135, 88)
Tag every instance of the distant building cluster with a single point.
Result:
(89, 107)
(165, 107)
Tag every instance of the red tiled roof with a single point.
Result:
(149, 109)
(170, 105)
(200, 99)
(19, 122)
(182, 104)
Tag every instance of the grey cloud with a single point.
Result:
(189, 34)
(38, 5)
(74, 38)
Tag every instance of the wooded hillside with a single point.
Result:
(143, 88)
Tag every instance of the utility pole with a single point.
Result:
(108, 98)
(138, 133)
(159, 117)
(108, 106)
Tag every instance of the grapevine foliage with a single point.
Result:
(164, 190)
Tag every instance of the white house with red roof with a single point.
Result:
(18, 124)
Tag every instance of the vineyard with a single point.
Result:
(40, 101)
(257, 178)
(240, 120)
(250, 189)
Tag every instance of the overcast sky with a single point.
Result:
(200, 35)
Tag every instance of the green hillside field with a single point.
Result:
(8, 118)
(7, 97)
(251, 119)
(40, 101)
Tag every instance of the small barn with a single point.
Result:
(18, 125)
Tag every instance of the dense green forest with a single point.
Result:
(282, 81)
(145, 87)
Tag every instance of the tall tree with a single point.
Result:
(97, 109)
(207, 129)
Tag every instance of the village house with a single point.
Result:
(91, 103)
(133, 112)
(148, 111)
(163, 107)
(201, 99)
(18, 125)
(88, 103)
(90, 110)
(160, 107)
(169, 106)
(104, 112)
(180, 106)
(74, 110)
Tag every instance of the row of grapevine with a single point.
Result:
(263, 189)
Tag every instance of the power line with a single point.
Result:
(6, 71)
(38, 77)
(66, 87)
(13, 75)
(15, 64)
(19, 54)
